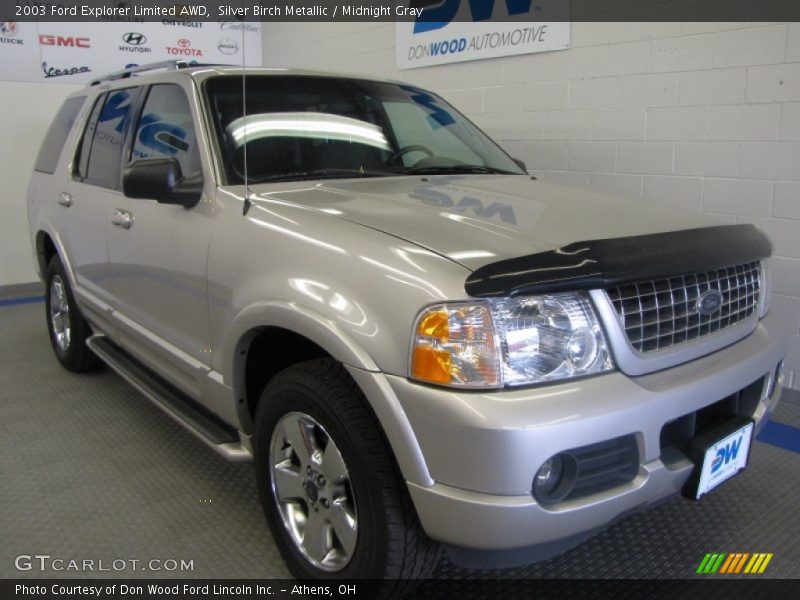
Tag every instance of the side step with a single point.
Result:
(216, 434)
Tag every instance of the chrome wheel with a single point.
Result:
(311, 487)
(59, 313)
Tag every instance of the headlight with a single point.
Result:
(509, 342)
(766, 288)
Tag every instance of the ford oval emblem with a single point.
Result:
(709, 302)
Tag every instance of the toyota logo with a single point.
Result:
(184, 43)
(134, 39)
(709, 302)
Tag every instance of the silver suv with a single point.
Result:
(418, 344)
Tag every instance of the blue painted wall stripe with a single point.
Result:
(25, 300)
(781, 435)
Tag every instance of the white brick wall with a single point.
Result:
(702, 116)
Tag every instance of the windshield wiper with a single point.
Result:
(447, 169)
(323, 174)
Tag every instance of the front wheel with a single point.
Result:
(330, 490)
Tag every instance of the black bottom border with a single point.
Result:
(708, 587)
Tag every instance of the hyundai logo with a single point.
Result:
(709, 302)
(134, 39)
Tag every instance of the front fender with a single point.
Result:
(328, 335)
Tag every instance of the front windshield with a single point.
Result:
(304, 127)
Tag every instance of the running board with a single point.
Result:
(218, 436)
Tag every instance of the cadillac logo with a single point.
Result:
(709, 302)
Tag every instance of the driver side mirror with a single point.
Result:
(162, 179)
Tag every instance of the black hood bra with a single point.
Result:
(602, 263)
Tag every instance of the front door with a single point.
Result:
(158, 252)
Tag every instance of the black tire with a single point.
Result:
(75, 355)
(390, 543)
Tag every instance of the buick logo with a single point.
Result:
(8, 27)
(134, 39)
(709, 302)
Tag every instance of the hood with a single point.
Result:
(480, 219)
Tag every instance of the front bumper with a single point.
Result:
(483, 449)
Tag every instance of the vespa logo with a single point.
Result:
(134, 39)
(709, 302)
(437, 17)
(69, 41)
(725, 455)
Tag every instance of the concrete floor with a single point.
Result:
(91, 470)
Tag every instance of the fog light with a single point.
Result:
(555, 478)
(549, 475)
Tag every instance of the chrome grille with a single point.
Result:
(660, 313)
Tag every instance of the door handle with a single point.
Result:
(65, 199)
(122, 219)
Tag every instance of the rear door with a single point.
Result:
(87, 194)
(158, 252)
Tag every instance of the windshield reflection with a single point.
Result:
(315, 127)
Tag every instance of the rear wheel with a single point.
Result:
(330, 490)
(68, 329)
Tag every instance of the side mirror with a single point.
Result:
(162, 179)
(520, 163)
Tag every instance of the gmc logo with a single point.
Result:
(57, 40)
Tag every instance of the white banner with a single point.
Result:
(79, 52)
(461, 30)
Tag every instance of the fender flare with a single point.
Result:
(46, 228)
(338, 344)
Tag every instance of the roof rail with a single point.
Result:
(169, 65)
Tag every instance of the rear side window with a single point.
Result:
(99, 161)
(57, 134)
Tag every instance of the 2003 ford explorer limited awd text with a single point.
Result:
(419, 346)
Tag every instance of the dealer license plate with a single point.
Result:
(724, 459)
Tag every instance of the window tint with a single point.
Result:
(86, 139)
(105, 154)
(57, 134)
(165, 129)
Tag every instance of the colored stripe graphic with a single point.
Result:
(733, 563)
(741, 562)
(732, 560)
(704, 563)
(711, 563)
(758, 563)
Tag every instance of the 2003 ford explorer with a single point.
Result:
(419, 345)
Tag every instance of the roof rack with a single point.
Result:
(169, 65)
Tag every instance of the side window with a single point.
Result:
(82, 159)
(165, 129)
(100, 153)
(57, 134)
